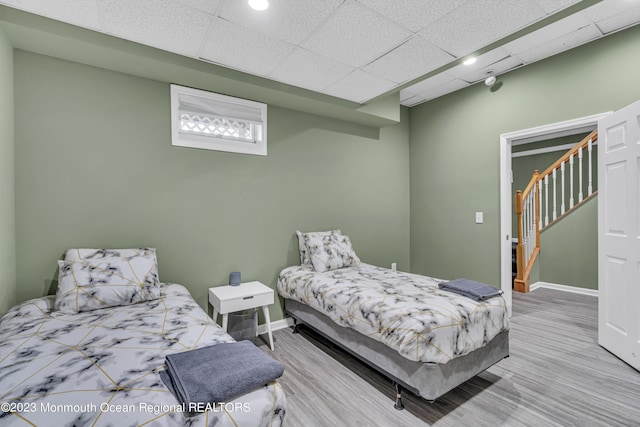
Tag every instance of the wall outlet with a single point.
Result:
(394, 266)
(479, 217)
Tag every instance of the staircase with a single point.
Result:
(546, 199)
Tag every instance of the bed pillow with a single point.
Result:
(304, 237)
(331, 253)
(134, 255)
(90, 279)
(78, 254)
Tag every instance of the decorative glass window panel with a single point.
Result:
(211, 121)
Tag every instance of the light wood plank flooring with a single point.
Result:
(557, 375)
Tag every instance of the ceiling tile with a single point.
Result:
(309, 70)
(550, 6)
(289, 20)
(414, 100)
(355, 35)
(496, 68)
(443, 89)
(405, 95)
(234, 46)
(430, 83)
(482, 61)
(78, 12)
(480, 22)
(548, 33)
(413, 14)
(163, 24)
(608, 8)
(561, 44)
(619, 21)
(208, 6)
(359, 87)
(412, 59)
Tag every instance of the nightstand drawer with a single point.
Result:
(243, 303)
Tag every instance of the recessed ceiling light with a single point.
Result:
(259, 4)
(470, 61)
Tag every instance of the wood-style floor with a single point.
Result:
(557, 375)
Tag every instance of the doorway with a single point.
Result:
(507, 140)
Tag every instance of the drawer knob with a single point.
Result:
(248, 297)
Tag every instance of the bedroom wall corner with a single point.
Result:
(7, 178)
(455, 161)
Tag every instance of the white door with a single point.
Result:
(619, 234)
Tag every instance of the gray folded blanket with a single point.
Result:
(472, 289)
(219, 372)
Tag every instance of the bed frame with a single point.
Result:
(428, 380)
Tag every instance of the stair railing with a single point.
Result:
(532, 205)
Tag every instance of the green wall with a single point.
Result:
(455, 147)
(569, 249)
(95, 168)
(7, 178)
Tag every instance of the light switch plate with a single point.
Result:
(479, 217)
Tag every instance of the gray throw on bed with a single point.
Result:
(472, 289)
(219, 372)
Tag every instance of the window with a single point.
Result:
(211, 121)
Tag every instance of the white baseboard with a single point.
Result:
(564, 288)
(278, 324)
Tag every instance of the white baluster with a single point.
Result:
(590, 188)
(530, 224)
(555, 197)
(529, 237)
(562, 199)
(546, 200)
(528, 229)
(540, 203)
(579, 174)
(571, 181)
(524, 229)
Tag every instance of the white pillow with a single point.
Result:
(304, 237)
(90, 279)
(331, 253)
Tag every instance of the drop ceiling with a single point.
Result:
(357, 50)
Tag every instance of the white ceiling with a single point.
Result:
(351, 49)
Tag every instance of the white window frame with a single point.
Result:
(213, 105)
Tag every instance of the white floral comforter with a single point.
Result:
(100, 368)
(407, 312)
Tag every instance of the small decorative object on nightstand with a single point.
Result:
(228, 299)
(234, 278)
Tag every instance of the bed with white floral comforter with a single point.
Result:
(406, 312)
(100, 367)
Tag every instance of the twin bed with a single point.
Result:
(425, 339)
(63, 365)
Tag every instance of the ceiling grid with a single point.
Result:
(357, 50)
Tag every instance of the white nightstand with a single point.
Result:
(227, 299)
